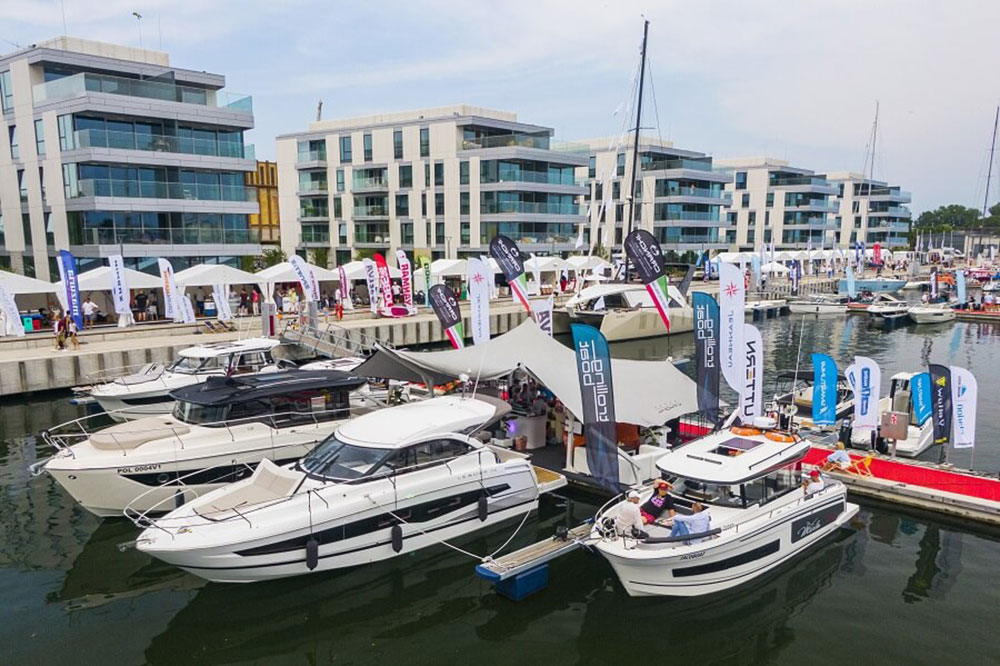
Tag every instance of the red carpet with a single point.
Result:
(916, 475)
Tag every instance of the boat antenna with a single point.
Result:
(635, 141)
(989, 170)
(798, 358)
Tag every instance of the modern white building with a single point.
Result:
(870, 211)
(679, 195)
(771, 200)
(441, 182)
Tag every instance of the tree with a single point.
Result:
(273, 257)
(602, 252)
(363, 253)
(948, 218)
(321, 257)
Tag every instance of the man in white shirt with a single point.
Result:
(698, 522)
(813, 484)
(89, 313)
(628, 521)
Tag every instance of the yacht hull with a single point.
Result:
(732, 559)
(816, 308)
(153, 404)
(931, 315)
(618, 325)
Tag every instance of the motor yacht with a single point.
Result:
(885, 308)
(800, 396)
(818, 305)
(874, 285)
(217, 433)
(760, 516)
(931, 313)
(147, 392)
(920, 436)
(381, 485)
(627, 311)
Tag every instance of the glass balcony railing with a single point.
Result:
(891, 211)
(814, 204)
(521, 141)
(106, 187)
(84, 82)
(165, 236)
(799, 180)
(311, 156)
(690, 192)
(314, 186)
(95, 138)
(530, 208)
(679, 163)
(535, 177)
(369, 184)
(371, 211)
(684, 215)
(314, 213)
(315, 235)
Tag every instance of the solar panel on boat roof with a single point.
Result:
(736, 445)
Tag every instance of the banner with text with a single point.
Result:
(941, 402)
(645, 253)
(508, 257)
(406, 278)
(920, 396)
(71, 287)
(170, 293)
(706, 351)
(824, 397)
(751, 396)
(372, 282)
(867, 379)
(14, 324)
(964, 394)
(479, 300)
(445, 306)
(541, 312)
(119, 290)
(593, 365)
(384, 282)
(732, 303)
(223, 312)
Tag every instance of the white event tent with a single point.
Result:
(20, 284)
(204, 275)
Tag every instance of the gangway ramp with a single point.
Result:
(524, 571)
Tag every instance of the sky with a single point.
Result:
(795, 80)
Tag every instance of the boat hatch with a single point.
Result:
(736, 446)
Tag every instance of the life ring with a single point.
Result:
(746, 432)
(778, 437)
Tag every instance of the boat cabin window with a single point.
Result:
(608, 302)
(770, 487)
(708, 493)
(310, 405)
(334, 459)
(250, 410)
(439, 450)
(189, 365)
(251, 361)
(190, 413)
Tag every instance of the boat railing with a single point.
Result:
(108, 375)
(331, 339)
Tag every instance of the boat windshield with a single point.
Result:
(335, 459)
(188, 412)
(708, 493)
(188, 366)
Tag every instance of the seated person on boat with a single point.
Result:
(697, 523)
(659, 503)
(813, 484)
(628, 522)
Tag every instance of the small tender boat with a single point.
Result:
(759, 516)
(818, 305)
(874, 285)
(886, 307)
(147, 392)
(627, 311)
(801, 395)
(218, 432)
(919, 437)
(381, 485)
(931, 313)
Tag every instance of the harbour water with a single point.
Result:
(899, 588)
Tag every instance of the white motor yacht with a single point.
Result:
(931, 313)
(885, 308)
(627, 311)
(818, 305)
(760, 516)
(217, 433)
(381, 485)
(920, 436)
(147, 392)
(800, 395)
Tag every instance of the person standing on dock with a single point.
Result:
(199, 300)
(89, 312)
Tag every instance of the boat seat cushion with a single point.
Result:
(133, 434)
(269, 482)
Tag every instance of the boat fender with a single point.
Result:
(746, 432)
(178, 499)
(312, 553)
(484, 508)
(779, 437)
(397, 538)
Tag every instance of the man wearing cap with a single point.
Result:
(629, 519)
(813, 484)
(660, 502)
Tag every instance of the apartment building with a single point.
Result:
(678, 194)
(870, 211)
(107, 149)
(769, 200)
(438, 182)
(267, 223)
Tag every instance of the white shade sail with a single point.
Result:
(100, 279)
(284, 272)
(20, 284)
(449, 267)
(208, 274)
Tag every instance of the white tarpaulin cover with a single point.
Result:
(100, 279)
(647, 393)
(204, 275)
(19, 284)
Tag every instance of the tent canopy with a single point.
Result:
(647, 393)
(582, 262)
(546, 264)
(284, 272)
(21, 284)
(99, 279)
(773, 267)
(355, 270)
(208, 274)
(449, 267)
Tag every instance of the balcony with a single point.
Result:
(891, 211)
(529, 208)
(156, 189)
(315, 236)
(312, 188)
(799, 180)
(95, 138)
(679, 163)
(370, 211)
(165, 236)
(885, 194)
(312, 158)
(538, 142)
(87, 82)
(690, 191)
(369, 184)
(541, 177)
(693, 216)
(816, 205)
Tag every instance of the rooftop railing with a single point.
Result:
(799, 180)
(679, 163)
(521, 141)
(84, 82)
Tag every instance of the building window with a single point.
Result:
(751, 234)
(397, 144)
(340, 180)
(770, 199)
(406, 233)
(465, 233)
(425, 142)
(621, 164)
(15, 148)
(345, 149)
(616, 190)
(752, 219)
(309, 151)
(767, 217)
(439, 203)
(405, 175)
(26, 229)
(338, 208)
(402, 205)
(423, 204)
(598, 191)
(50, 233)
(65, 124)
(439, 233)
(367, 140)
(592, 167)
(463, 173)
(731, 217)
(438, 174)
(427, 174)
(22, 185)
(39, 137)
(855, 207)
(741, 180)
(746, 199)
(41, 182)
(6, 92)
(463, 203)
(638, 189)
